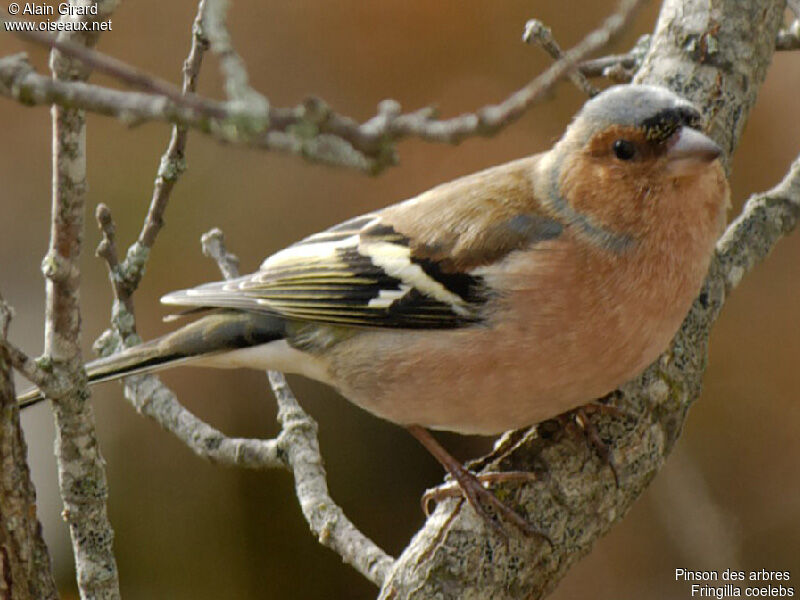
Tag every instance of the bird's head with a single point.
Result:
(628, 151)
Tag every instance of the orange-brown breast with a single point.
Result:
(576, 322)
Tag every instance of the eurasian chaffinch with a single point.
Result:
(491, 302)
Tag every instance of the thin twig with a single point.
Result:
(237, 84)
(123, 72)
(296, 447)
(128, 274)
(107, 250)
(298, 444)
(173, 161)
(40, 376)
(597, 67)
(312, 129)
(151, 398)
(213, 244)
(536, 31)
(618, 68)
(298, 441)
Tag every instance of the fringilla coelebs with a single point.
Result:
(491, 302)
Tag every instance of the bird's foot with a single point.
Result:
(452, 489)
(471, 487)
(474, 488)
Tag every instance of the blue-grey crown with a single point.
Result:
(656, 110)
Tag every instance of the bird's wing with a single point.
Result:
(411, 265)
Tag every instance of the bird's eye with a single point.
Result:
(624, 149)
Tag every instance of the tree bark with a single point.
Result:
(81, 468)
(25, 570)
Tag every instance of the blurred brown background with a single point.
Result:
(729, 497)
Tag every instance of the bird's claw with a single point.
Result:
(474, 488)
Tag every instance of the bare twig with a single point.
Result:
(125, 276)
(618, 68)
(296, 447)
(299, 447)
(536, 31)
(136, 78)
(147, 394)
(237, 84)
(153, 399)
(765, 219)
(213, 243)
(598, 67)
(107, 250)
(298, 441)
(173, 161)
(312, 129)
(38, 372)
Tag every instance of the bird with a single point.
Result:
(489, 303)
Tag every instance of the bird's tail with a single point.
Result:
(217, 332)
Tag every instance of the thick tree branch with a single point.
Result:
(81, 470)
(716, 55)
(25, 570)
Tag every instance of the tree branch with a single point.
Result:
(25, 569)
(125, 276)
(764, 220)
(299, 448)
(310, 129)
(81, 471)
(173, 162)
(296, 448)
(237, 84)
(538, 32)
(694, 51)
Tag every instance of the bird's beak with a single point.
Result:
(690, 152)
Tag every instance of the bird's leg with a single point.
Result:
(452, 489)
(471, 486)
